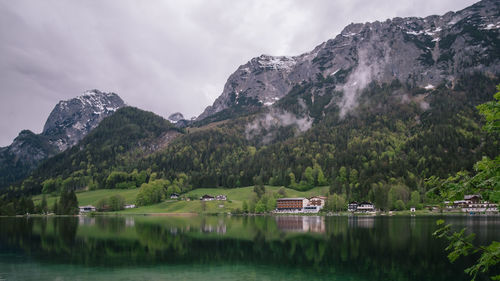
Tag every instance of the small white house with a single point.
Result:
(412, 209)
(131, 206)
(352, 207)
(365, 207)
(87, 209)
(207, 197)
(221, 197)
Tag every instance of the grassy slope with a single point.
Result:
(92, 197)
(235, 196)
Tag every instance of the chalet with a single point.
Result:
(315, 204)
(174, 196)
(352, 207)
(207, 197)
(87, 209)
(471, 204)
(481, 207)
(363, 207)
(221, 197)
(473, 198)
(294, 205)
(317, 201)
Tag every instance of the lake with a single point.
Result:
(232, 248)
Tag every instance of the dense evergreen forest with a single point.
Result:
(396, 139)
(389, 140)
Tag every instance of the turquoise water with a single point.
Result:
(232, 248)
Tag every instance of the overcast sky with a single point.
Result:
(161, 56)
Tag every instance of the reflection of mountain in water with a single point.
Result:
(301, 223)
(386, 248)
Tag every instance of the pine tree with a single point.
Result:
(55, 208)
(43, 206)
(68, 204)
(245, 206)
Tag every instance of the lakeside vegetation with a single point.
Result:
(236, 197)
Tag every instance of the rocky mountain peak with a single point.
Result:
(423, 52)
(71, 120)
(68, 123)
(175, 117)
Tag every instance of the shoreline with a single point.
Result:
(193, 214)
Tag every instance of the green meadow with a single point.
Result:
(235, 198)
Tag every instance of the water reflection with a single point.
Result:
(361, 221)
(87, 221)
(208, 227)
(301, 223)
(378, 248)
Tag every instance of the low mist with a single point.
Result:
(267, 124)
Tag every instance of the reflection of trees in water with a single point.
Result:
(112, 225)
(66, 230)
(389, 249)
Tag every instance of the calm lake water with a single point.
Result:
(232, 248)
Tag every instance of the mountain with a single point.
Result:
(120, 140)
(73, 119)
(378, 112)
(67, 124)
(423, 52)
(382, 104)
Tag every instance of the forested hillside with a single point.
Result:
(116, 144)
(382, 112)
(398, 136)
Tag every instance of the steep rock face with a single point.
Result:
(71, 120)
(27, 151)
(67, 124)
(420, 51)
(30, 147)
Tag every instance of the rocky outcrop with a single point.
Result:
(419, 51)
(68, 123)
(71, 120)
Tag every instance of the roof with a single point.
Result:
(366, 203)
(88, 206)
(319, 197)
(207, 196)
(281, 199)
(470, 196)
